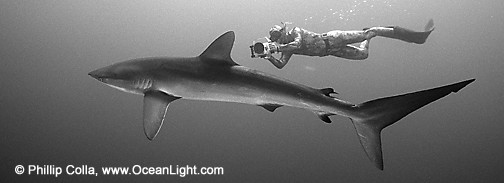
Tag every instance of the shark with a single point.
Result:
(214, 76)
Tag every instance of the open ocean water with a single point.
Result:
(53, 114)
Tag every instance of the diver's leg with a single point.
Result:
(343, 38)
(396, 32)
(353, 52)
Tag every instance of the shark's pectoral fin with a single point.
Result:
(155, 106)
(271, 107)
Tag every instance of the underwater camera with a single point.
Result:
(261, 50)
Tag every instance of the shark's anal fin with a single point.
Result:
(219, 52)
(324, 116)
(270, 107)
(154, 109)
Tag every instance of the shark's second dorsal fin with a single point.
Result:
(219, 52)
(328, 92)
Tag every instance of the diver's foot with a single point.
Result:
(364, 44)
(400, 33)
(410, 35)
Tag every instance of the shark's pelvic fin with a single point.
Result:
(155, 106)
(383, 112)
(219, 52)
(270, 107)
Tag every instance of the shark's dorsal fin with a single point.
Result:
(155, 106)
(219, 52)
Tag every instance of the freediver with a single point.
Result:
(336, 43)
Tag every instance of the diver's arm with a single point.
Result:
(277, 63)
(294, 45)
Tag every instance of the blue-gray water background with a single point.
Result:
(53, 113)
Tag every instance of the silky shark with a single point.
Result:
(214, 76)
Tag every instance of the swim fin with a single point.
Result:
(409, 35)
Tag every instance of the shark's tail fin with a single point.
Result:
(380, 113)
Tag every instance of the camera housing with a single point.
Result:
(260, 50)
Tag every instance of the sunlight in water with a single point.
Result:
(348, 10)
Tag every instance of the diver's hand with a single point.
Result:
(274, 47)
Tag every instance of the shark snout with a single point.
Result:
(93, 74)
(100, 74)
(96, 74)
